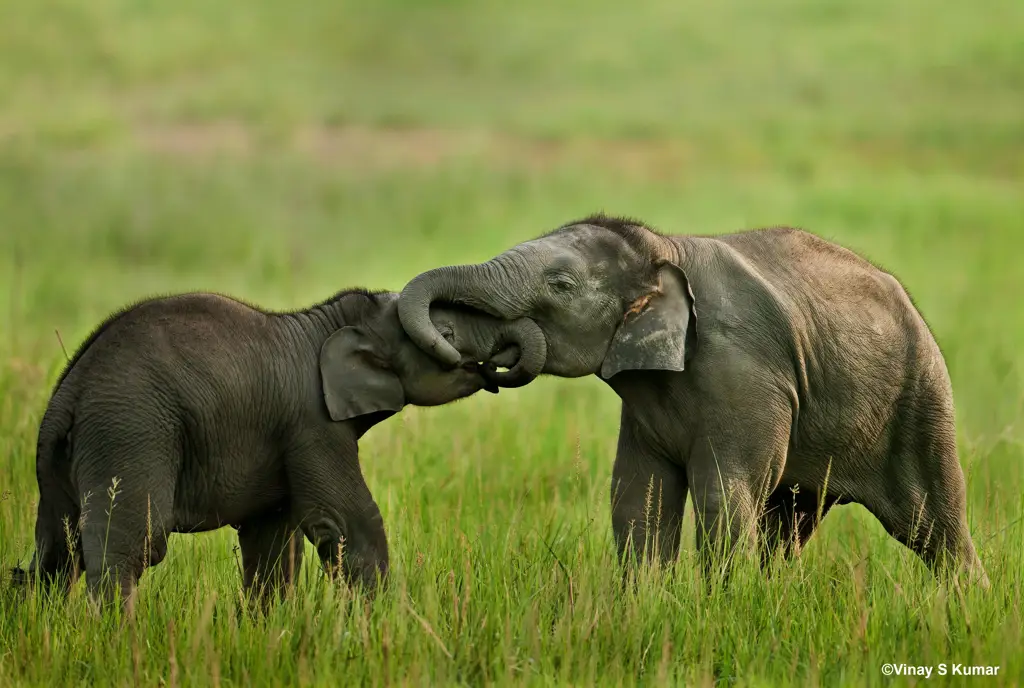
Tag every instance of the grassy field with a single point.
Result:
(280, 153)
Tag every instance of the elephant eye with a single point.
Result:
(561, 282)
(448, 333)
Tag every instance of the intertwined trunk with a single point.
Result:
(482, 287)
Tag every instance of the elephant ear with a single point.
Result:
(658, 329)
(354, 382)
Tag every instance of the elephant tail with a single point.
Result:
(53, 444)
(58, 508)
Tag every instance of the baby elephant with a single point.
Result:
(196, 411)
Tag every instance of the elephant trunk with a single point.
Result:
(476, 286)
(528, 336)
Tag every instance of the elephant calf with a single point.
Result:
(748, 364)
(196, 411)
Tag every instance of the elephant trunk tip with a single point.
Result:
(532, 345)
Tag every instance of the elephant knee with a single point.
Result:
(708, 509)
(368, 555)
(369, 573)
(724, 519)
(107, 583)
(369, 560)
(361, 565)
(625, 526)
(359, 551)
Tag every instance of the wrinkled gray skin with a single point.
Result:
(209, 412)
(747, 364)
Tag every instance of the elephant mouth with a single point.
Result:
(484, 370)
(496, 371)
(516, 357)
(489, 384)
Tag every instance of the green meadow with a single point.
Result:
(280, 152)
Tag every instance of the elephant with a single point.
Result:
(195, 411)
(768, 373)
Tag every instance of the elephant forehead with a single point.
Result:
(558, 258)
(545, 250)
(580, 246)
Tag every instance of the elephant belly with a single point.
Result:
(229, 488)
(848, 470)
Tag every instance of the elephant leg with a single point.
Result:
(924, 502)
(729, 474)
(125, 531)
(334, 507)
(271, 554)
(58, 558)
(929, 525)
(648, 496)
(789, 519)
(126, 475)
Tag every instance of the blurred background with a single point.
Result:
(279, 152)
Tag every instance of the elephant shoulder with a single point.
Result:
(735, 286)
(746, 307)
(802, 272)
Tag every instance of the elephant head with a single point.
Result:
(608, 295)
(376, 367)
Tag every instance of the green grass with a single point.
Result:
(280, 155)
